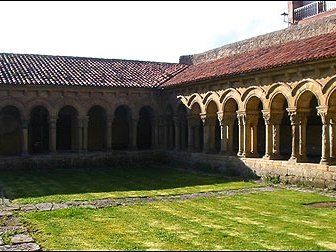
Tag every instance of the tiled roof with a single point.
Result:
(314, 48)
(22, 69)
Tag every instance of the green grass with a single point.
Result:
(260, 221)
(59, 185)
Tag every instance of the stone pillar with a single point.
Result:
(154, 136)
(80, 134)
(52, 134)
(242, 127)
(191, 134)
(229, 132)
(109, 123)
(206, 147)
(332, 140)
(268, 134)
(85, 122)
(303, 137)
(133, 134)
(177, 134)
(295, 134)
(223, 132)
(197, 136)
(254, 138)
(322, 111)
(25, 125)
(183, 135)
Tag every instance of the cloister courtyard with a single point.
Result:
(156, 207)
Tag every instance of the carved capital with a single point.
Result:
(203, 117)
(266, 116)
(323, 113)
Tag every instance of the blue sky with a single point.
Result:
(155, 31)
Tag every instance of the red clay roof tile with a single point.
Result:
(314, 48)
(21, 69)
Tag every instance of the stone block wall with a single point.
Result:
(295, 32)
(307, 174)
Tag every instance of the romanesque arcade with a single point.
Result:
(281, 122)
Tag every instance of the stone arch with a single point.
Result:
(253, 91)
(234, 94)
(67, 137)
(307, 91)
(279, 88)
(101, 103)
(121, 127)
(310, 85)
(32, 103)
(59, 104)
(198, 100)
(145, 128)
(213, 97)
(10, 130)
(193, 97)
(19, 105)
(169, 134)
(330, 85)
(249, 98)
(97, 128)
(310, 126)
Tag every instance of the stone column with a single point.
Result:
(52, 134)
(322, 111)
(109, 123)
(241, 124)
(223, 132)
(205, 122)
(177, 134)
(85, 122)
(251, 135)
(268, 134)
(25, 125)
(133, 134)
(191, 133)
(183, 135)
(196, 136)
(295, 134)
(80, 135)
(154, 136)
(276, 121)
(303, 137)
(332, 140)
(229, 142)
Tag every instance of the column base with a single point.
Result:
(267, 157)
(324, 161)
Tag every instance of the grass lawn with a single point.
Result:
(59, 185)
(261, 221)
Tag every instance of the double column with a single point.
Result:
(226, 122)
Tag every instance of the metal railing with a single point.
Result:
(313, 9)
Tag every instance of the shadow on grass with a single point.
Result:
(151, 176)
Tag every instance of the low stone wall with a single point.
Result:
(307, 174)
(79, 160)
(314, 175)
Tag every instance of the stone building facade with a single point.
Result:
(270, 108)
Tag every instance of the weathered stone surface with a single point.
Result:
(21, 238)
(5, 213)
(44, 206)
(28, 207)
(21, 247)
(57, 206)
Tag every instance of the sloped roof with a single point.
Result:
(23, 69)
(299, 51)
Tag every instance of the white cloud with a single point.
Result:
(157, 31)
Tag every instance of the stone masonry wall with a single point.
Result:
(295, 32)
(308, 174)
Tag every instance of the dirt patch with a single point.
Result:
(331, 204)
